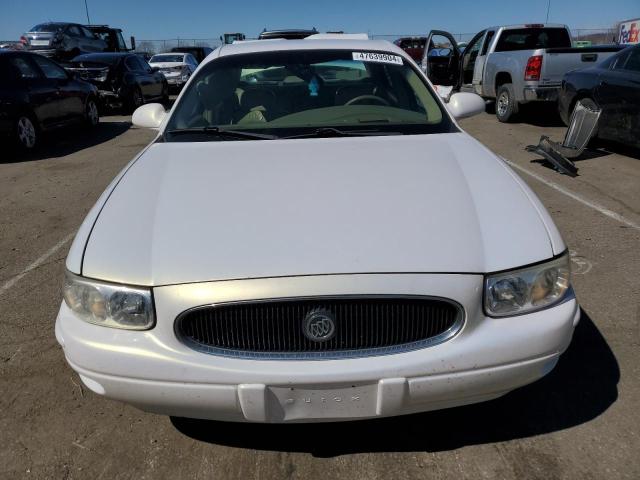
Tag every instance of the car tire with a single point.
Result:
(91, 113)
(26, 132)
(507, 106)
(136, 100)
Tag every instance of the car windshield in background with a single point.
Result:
(47, 27)
(532, 38)
(166, 58)
(297, 92)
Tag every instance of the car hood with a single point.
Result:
(193, 212)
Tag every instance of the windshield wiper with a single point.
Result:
(330, 132)
(221, 132)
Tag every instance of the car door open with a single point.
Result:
(441, 59)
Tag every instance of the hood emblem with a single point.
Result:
(319, 325)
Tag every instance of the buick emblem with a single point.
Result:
(319, 325)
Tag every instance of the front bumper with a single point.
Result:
(541, 94)
(155, 372)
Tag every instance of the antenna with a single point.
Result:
(548, 8)
(87, 10)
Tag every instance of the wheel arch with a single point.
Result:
(501, 79)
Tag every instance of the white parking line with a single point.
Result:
(36, 263)
(576, 197)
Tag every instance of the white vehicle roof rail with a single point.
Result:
(338, 36)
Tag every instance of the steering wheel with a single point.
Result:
(375, 98)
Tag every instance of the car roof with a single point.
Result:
(103, 55)
(9, 51)
(309, 43)
(291, 33)
(57, 23)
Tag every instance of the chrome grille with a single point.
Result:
(364, 326)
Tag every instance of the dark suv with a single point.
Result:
(62, 41)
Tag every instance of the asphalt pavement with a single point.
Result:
(579, 422)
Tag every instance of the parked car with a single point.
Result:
(414, 46)
(318, 242)
(176, 67)
(199, 53)
(513, 64)
(62, 40)
(123, 79)
(37, 95)
(614, 87)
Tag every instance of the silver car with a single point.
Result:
(62, 41)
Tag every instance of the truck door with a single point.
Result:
(441, 59)
(470, 58)
(478, 69)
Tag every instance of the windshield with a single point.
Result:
(167, 58)
(47, 27)
(294, 92)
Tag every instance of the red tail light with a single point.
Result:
(534, 68)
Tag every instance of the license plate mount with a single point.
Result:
(353, 401)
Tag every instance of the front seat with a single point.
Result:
(255, 105)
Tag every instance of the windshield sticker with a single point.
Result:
(377, 57)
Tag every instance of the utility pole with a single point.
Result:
(87, 10)
(548, 8)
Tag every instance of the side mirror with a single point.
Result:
(149, 116)
(133, 42)
(463, 105)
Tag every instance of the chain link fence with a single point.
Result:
(159, 46)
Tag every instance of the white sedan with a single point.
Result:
(312, 237)
(176, 67)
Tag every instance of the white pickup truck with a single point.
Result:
(513, 64)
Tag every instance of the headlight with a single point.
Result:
(527, 289)
(109, 305)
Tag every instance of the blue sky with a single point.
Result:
(162, 19)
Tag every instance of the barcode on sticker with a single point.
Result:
(377, 57)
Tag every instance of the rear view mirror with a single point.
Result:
(463, 105)
(149, 116)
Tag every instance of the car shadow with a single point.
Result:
(66, 141)
(610, 147)
(581, 387)
(541, 114)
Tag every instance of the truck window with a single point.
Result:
(121, 45)
(532, 38)
(487, 42)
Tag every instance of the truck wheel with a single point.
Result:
(506, 104)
